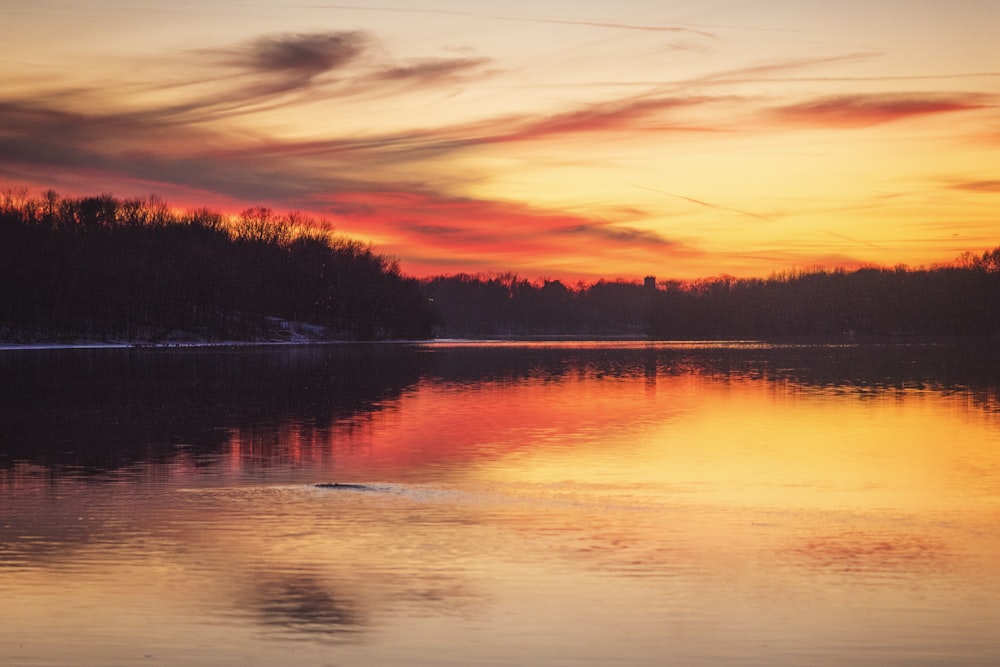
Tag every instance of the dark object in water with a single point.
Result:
(344, 486)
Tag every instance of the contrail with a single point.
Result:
(703, 203)
(851, 239)
(602, 24)
(520, 19)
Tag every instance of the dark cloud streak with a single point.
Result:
(990, 187)
(863, 110)
(301, 54)
(432, 69)
(291, 62)
(628, 236)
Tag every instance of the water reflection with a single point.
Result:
(303, 604)
(101, 409)
(107, 409)
(584, 504)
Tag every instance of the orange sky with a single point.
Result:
(555, 139)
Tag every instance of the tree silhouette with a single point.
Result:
(99, 267)
(958, 299)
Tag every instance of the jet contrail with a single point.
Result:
(703, 203)
(521, 19)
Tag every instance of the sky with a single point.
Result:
(571, 140)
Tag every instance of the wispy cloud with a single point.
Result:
(625, 236)
(502, 233)
(863, 110)
(630, 114)
(989, 186)
(763, 71)
(433, 70)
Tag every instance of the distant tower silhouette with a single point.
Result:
(649, 299)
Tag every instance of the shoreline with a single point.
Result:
(302, 341)
(163, 345)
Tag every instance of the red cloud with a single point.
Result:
(620, 115)
(440, 235)
(978, 186)
(864, 110)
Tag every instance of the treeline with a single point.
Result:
(101, 267)
(960, 299)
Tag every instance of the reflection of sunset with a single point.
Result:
(662, 503)
(732, 441)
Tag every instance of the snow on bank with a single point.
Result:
(282, 332)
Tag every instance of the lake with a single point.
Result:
(609, 503)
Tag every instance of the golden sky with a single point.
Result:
(574, 140)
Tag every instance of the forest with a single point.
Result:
(960, 299)
(101, 268)
(104, 268)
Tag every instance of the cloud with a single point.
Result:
(617, 115)
(298, 59)
(435, 231)
(431, 230)
(181, 142)
(762, 71)
(279, 64)
(978, 186)
(865, 110)
(630, 115)
(349, 209)
(121, 147)
(398, 187)
(421, 222)
(298, 55)
(170, 148)
(626, 236)
(432, 70)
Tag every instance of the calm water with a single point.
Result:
(533, 504)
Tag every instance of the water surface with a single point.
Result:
(502, 504)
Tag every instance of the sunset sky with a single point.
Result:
(572, 140)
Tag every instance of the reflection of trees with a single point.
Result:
(104, 409)
(969, 365)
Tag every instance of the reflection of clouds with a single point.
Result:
(299, 603)
(869, 553)
(441, 594)
(284, 405)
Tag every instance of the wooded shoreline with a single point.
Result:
(106, 271)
